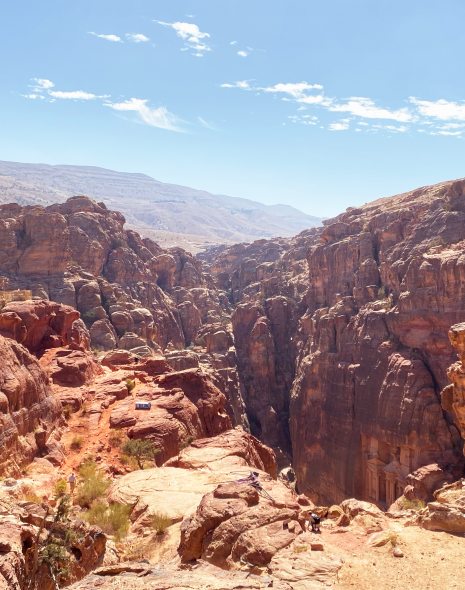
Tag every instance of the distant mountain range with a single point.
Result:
(168, 213)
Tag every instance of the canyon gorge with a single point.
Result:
(326, 361)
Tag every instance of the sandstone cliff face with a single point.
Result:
(131, 294)
(342, 342)
(29, 413)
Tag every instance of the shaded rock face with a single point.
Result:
(342, 342)
(18, 535)
(27, 407)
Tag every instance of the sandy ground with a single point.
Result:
(432, 561)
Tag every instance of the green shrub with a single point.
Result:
(77, 442)
(93, 484)
(140, 450)
(187, 442)
(60, 488)
(89, 317)
(113, 519)
(130, 385)
(67, 411)
(160, 521)
(84, 409)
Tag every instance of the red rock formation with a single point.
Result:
(27, 407)
(40, 325)
(356, 360)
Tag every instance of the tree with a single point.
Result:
(141, 450)
(51, 552)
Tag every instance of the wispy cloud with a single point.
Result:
(242, 53)
(191, 35)
(206, 124)
(114, 38)
(155, 117)
(136, 37)
(75, 94)
(233, 43)
(295, 90)
(244, 85)
(338, 126)
(365, 107)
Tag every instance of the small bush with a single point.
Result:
(67, 411)
(113, 519)
(89, 317)
(160, 522)
(84, 409)
(187, 442)
(436, 242)
(140, 450)
(93, 484)
(116, 437)
(300, 548)
(33, 498)
(130, 462)
(60, 488)
(413, 504)
(77, 442)
(382, 293)
(130, 385)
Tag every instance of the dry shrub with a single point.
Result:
(67, 411)
(33, 498)
(77, 442)
(138, 549)
(113, 519)
(393, 537)
(413, 504)
(300, 548)
(60, 488)
(160, 521)
(93, 484)
(116, 437)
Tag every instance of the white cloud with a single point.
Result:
(338, 126)
(41, 84)
(190, 15)
(191, 35)
(295, 90)
(302, 109)
(362, 123)
(441, 109)
(136, 37)
(244, 85)
(242, 53)
(185, 30)
(233, 42)
(401, 129)
(205, 124)
(365, 107)
(114, 38)
(76, 94)
(450, 132)
(159, 117)
(33, 96)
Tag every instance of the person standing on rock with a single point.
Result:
(72, 483)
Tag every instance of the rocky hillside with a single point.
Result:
(168, 213)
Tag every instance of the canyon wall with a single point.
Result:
(331, 347)
(341, 337)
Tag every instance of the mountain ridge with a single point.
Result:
(153, 206)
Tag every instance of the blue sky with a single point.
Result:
(318, 104)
